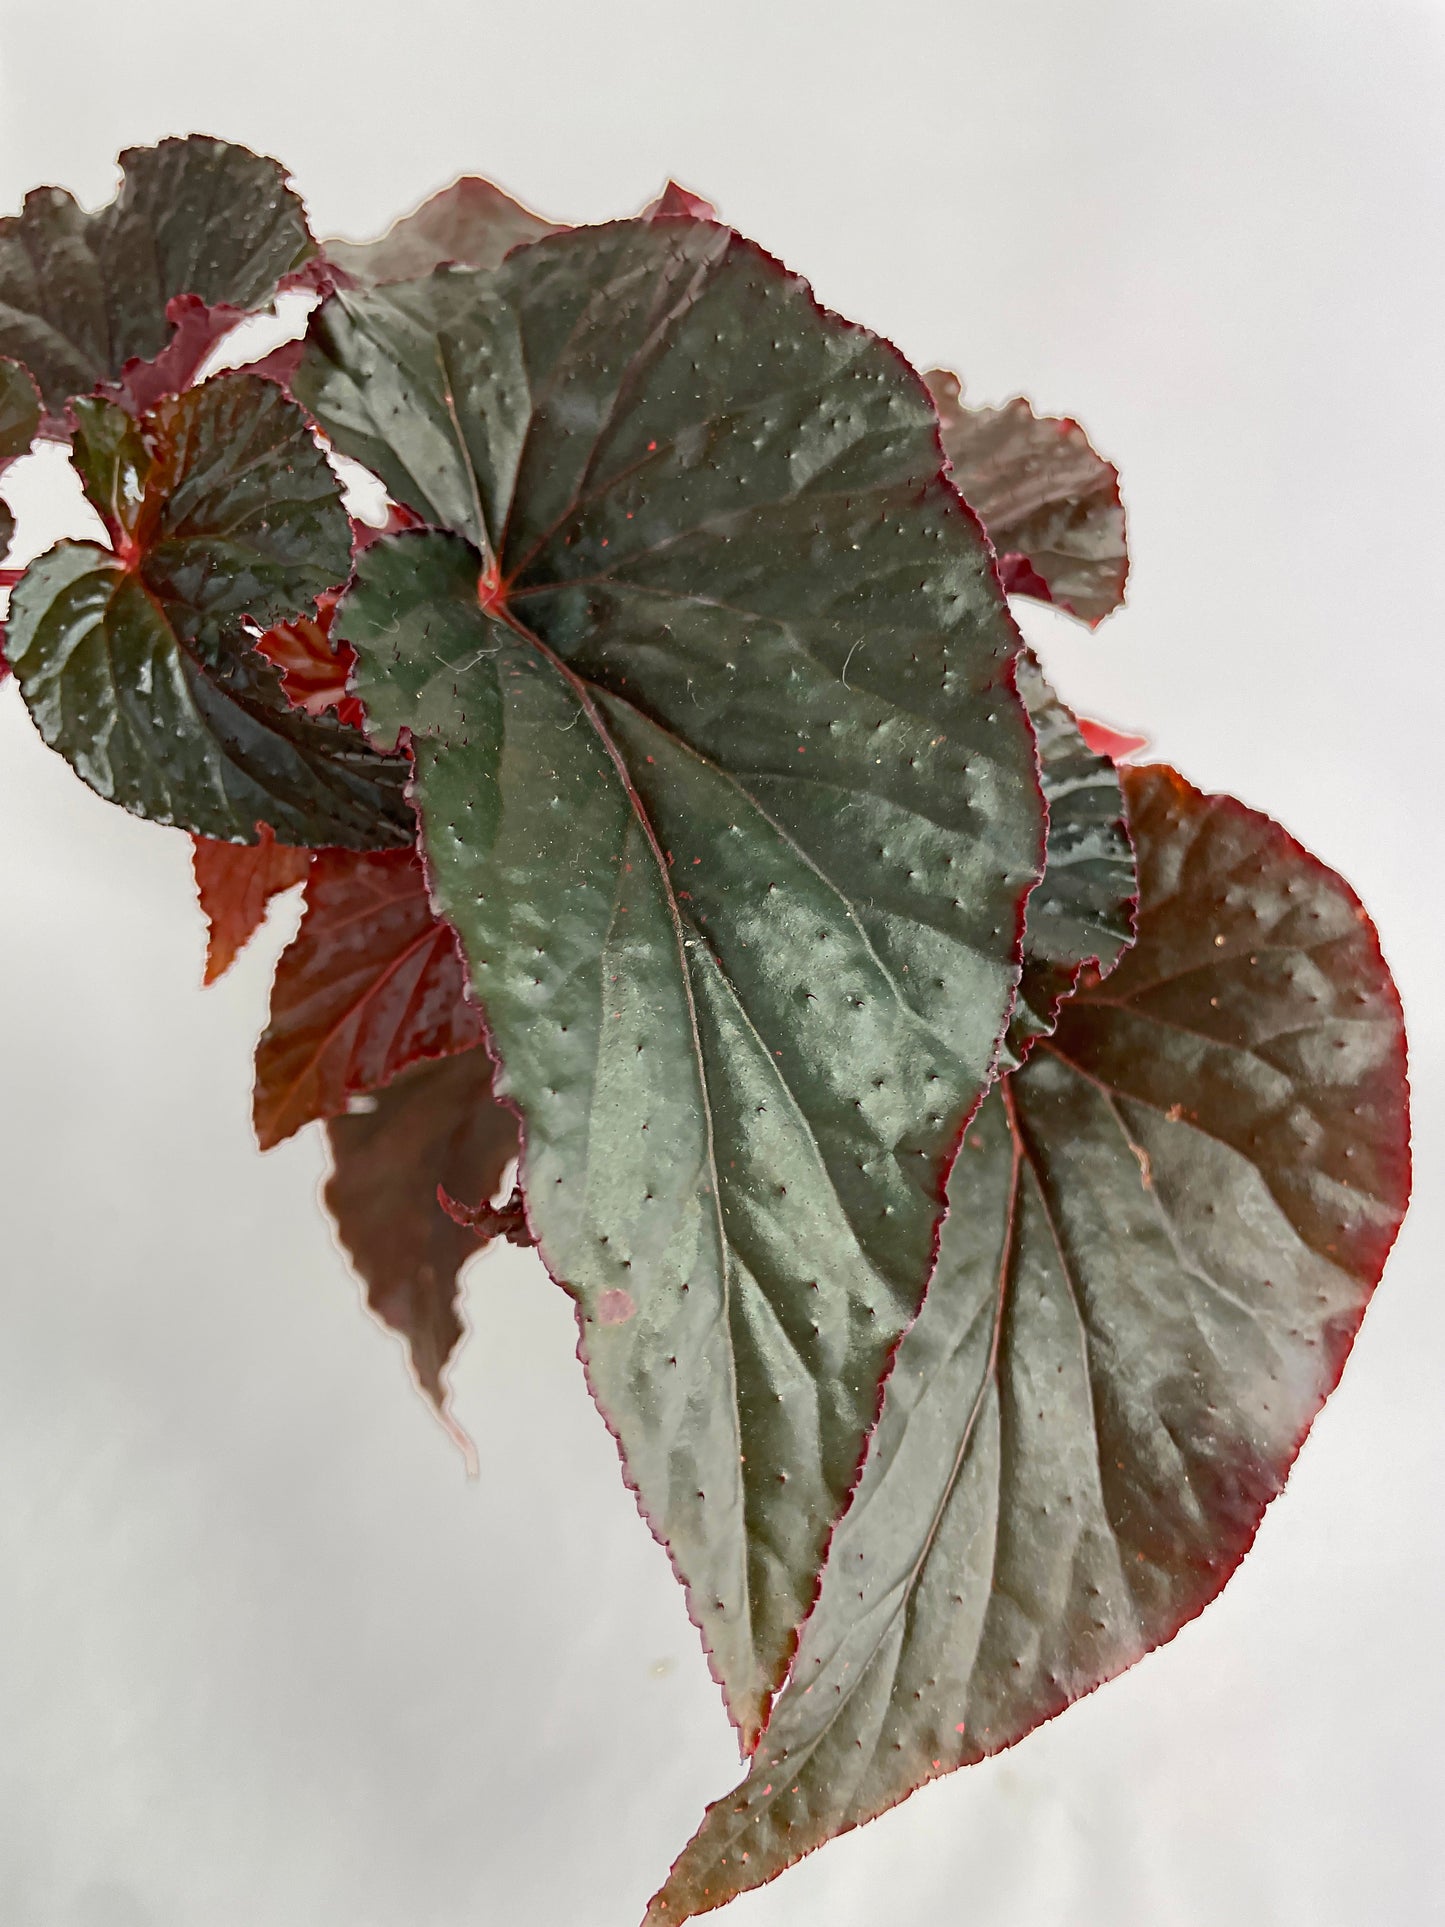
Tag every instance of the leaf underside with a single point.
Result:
(235, 883)
(730, 798)
(82, 294)
(1163, 1233)
(135, 663)
(1050, 504)
(437, 1123)
(373, 981)
(1083, 911)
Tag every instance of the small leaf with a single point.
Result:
(314, 670)
(1082, 912)
(1050, 504)
(1163, 1234)
(115, 466)
(471, 223)
(235, 883)
(19, 411)
(436, 1124)
(727, 790)
(82, 294)
(19, 425)
(135, 665)
(373, 981)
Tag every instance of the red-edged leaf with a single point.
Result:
(1117, 744)
(235, 882)
(1050, 504)
(136, 661)
(1163, 1233)
(437, 1124)
(730, 795)
(676, 202)
(373, 981)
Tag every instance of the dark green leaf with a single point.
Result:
(1082, 912)
(81, 294)
(1050, 504)
(1163, 1233)
(19, 423)
(437, 1124)
(471, 223)
(19, 411)
(730, 797)
(135, 665)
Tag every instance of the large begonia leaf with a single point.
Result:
(1050, 504)
(472, 223)
(82, 294)
(1163, 1233)
(725, 784)
(437, 1124)
(1082, 912)
(373, 981)
(134, 661)
(235, 883)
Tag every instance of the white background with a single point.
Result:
(267, 1659)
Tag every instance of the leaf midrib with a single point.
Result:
(583, 696)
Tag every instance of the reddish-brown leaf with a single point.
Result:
(1162, 1236)
(438, 1124)
(314, 669)
(1050, 504)
(679, 203)
(235, 882)
(373, 981)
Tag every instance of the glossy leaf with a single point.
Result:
(116, 465)
(437, 1124)
(728, 792)
(135, 663)
(1163, 1233)
(235, 883)
(1050, 504)
(1082, 912)
(373, 981)
(82, 294)
(471, 223)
